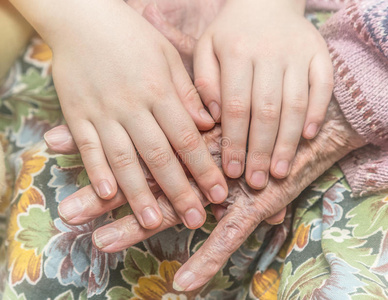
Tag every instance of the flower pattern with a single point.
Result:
(329, 244)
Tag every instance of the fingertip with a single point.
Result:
(278, 218)
(194, 218)
(218, 193)
(311, 131)
(280, 169)
(105, 190)
(204, 122)
(151, 218)
(258, 180)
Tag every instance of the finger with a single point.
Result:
(188, 94)
(278, 218)
(156, 152)
(189, 145)
(207, 76)
(218, 211)
(266, 106)
(93, 157)
(84, 206)
(236, 84)
(294, 108)
(126, 232)
(124, 162)
(60, 140)
(321, 88)
(231, 231)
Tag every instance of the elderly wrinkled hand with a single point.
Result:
(246, 208)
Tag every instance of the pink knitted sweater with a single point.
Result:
(357, 38)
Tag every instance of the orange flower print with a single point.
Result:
(265, 285)
(300, 239)
(21, 262)
(40, 55)
(31, 165)
(159, 287)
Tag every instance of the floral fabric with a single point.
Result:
(331, 247)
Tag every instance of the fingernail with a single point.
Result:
(215, 110)
(193, 218)
(259, 179)
(57, 136)
(104, 189)
(205, 116)
(184, 281)
(311, 130)
(282, 168)
(234, 169)
(70, 208)
(217, 193)
(106, 236)
(150, 216)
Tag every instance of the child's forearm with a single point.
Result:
(15, 32)
(61, 20)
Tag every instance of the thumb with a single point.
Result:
(60, 140)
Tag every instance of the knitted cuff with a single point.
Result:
(358, 47)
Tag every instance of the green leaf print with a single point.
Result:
(122, 211)
(218, 282)
(137, 264)
(83, 179)
(354, 252)
(34, 96)
(37, 228)
(10, 294)
(369, 216)
(70, 161)
(119, 293)
(305, 278)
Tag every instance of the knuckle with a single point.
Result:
(202, 83)
(157, 157)
(260, 158)
(268, 114)
(86, 145)
(233, 235)
(298, 105)
(189, 93)
(182, 198)
(236, 109)
(239, 47)
(122, 159)
(328, 84)
(190, 141)
(155, 89)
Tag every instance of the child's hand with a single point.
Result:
(267, 69)
(120, 83)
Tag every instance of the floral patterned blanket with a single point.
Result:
(330, 246)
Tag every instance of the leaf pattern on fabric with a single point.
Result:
(72, 258)
(305, 278)
(119, 293)
(26, 262)
(369, 216)
(138, 264)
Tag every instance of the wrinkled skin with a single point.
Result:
(246, 208)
